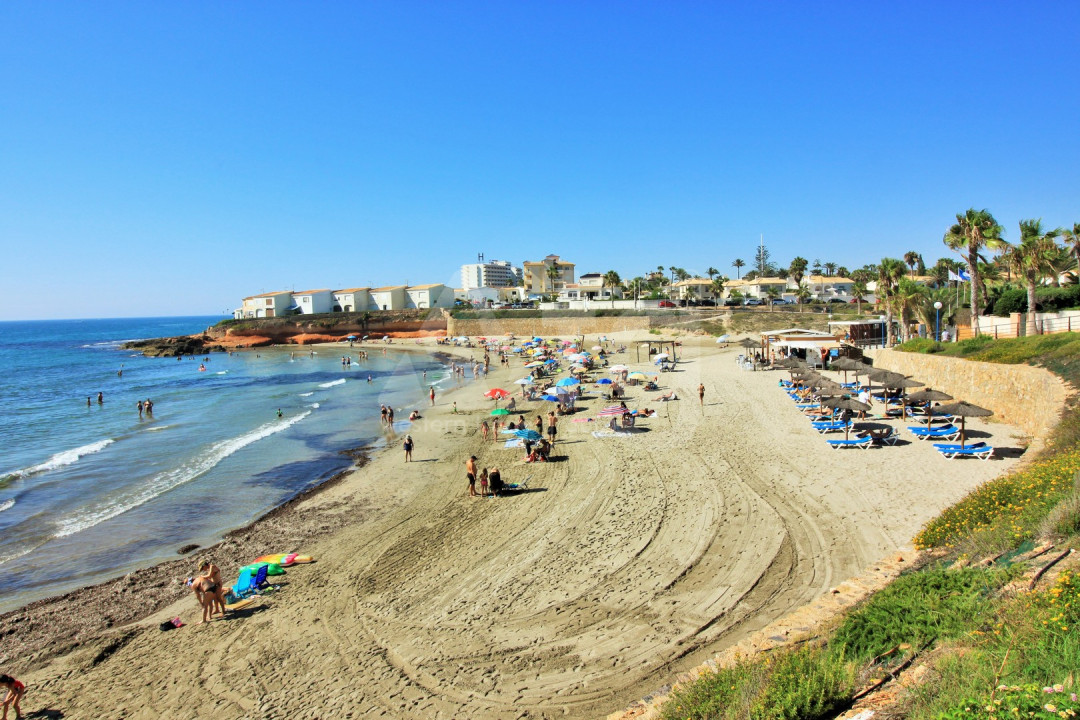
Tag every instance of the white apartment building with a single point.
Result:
(492, 274)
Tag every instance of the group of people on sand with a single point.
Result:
(491, 483)
(209, 590)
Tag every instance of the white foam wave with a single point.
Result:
(314, 405)
(156, 428)
(307, 394)
(166, 481)
(332, 383)
(6, 504)
(221, 372)
(13, 556)
(62, 459)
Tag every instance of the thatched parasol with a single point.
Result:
(845, 403)
(902, 383)
(749, 344)
(926, 397)
(964, 410)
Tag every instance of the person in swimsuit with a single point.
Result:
(470, 474)
(408, 445)
(701, 394)
(15, 692)
(205, 590)
(209, 570)
(484, 483)
(552, 430)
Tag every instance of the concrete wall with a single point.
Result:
(546, 327)
(1028, 397)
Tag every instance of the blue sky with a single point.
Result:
(170, 158)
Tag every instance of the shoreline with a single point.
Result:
(44, 628)
(630, 560)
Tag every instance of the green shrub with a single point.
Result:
(804, 684)
(915, 608)
(1013, 300)
(1052, 299)
(718, 695)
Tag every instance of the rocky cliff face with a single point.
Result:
(174, 346)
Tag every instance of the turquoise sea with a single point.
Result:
(89, 492)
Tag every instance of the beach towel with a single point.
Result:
(609, 434)
(515, 443)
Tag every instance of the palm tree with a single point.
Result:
(681, 274)
(717, 287)
(907, 298)
(842, 271)
(772, 292)
(1072, 240)
(858, 289)
(1060, 262)
(802, 294)
(973, 231)
(830, 268)
(911, 259)
(691, 293)
(553, 275)
(890, 270)
(738, 265)
(611, 280)
(797, 269)
(712, 272)
(1029, 259)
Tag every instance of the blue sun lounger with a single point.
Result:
(830, 426)
(863, 442)
(979, 450)
(945, 432)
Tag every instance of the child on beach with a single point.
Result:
(15, 692)
(484, 483)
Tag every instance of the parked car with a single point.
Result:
(751, 301)
(781, 301)
(731, 303)
(834, 301)
(666, 304)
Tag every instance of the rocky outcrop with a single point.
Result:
(188, 345)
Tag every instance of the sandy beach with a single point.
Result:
(630, 559)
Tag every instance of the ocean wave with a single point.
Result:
(156, 428)
(314, 406)
(307, 394)
(6, 504)
(16, 555)
(166, 481)
(332, 383)
(221, 372)
(60, 459)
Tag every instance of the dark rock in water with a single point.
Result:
(187, 548)
(174, 346)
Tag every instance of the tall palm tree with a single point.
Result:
(691, 293)
(1072, 240)
(797, 269)
(717, 287)
(1060, 262)
(973, 231)
(802, 294)
(712, 272)
(553, 275)
(911, 259)
(907, 298)
(1029, 259)
(858, 289)
(739, 264)
(890, 270)
(611, 280)
(772, 292)
(830, 268)
(843, 272)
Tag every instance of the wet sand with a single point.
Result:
(629, 560)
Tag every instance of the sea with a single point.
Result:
(92, 490)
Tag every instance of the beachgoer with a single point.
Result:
(552, 430)
(100, 398)
(15, 692)
(208, 569)
(484, 430)
(148, 406)
(539, 425)
(280, 414)
(701, 393)
(431, 394)
(139, 405)
(408, 445)
(414, 415)
(382, 414)
(390, 416)
(369, 379)
(484, 483)
(454, 409)
(470, 474)
(87, 401)
(204, 589)
(495, 481)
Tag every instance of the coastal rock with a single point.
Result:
(175, 346)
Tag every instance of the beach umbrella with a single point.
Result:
(617, 369)
(722, 339)
(844, 364)
(845, 403)
(550, 398)
(902, 384)
(496, 393)
(636, 376)
(567, 381)
(577, 370)
(928, 396)
(749, 344)
(597, 347)
(500, 411)
(351, 337)
(524, 381)
(550, 361)
(964, 410)
(534, 363)
(662, 356)
(603, 381)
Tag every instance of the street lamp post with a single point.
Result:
(937, 321)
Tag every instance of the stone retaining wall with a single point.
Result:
(1028, 397)
(547, 327)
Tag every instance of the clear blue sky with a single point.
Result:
(169, 158)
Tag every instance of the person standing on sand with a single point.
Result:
(484, 483)
(208, 569)
(408, 445)
(470, 474)
(15, 692)
(431, 394)
(552, 430)
(539, 425)
(205, 591)
(484, 430)
(701, 394)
